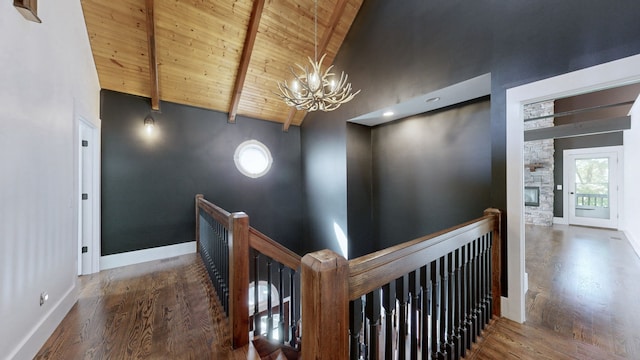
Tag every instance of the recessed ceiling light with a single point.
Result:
(387, 113)
(433, 99)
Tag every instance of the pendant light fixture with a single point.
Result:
(313, 89)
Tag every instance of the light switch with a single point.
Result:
(558, 187)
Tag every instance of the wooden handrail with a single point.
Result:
(325, 273)
(371, 271)
(267, 246)
(329, 281)
(219, 214)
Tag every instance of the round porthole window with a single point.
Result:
(253, 158)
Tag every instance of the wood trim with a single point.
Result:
(266, 246)
(325, 304)
(199, 197)
(287, 123)
(217, 213)
(374, 270)
(153, 61)
(245, 58)
(28, 9)
(579, 128)
(338, 10)
(239, 279)
(496, 263)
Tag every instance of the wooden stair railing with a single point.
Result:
(438, 292)
(430, 297)
(271, 259)
(227, 244)
(222, 239)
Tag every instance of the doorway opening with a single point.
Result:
(616, 73)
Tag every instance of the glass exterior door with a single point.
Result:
(591, 197)
(593, 188)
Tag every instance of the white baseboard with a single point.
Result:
(140, 256)
(560, 220)
(633, 241)
(43, 330)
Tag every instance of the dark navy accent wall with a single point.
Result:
(541, 39)
(324, 163)
(396, 50)
(149, 183)
(431, 172)
(361, 231)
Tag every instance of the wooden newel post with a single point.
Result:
(239, 278)
(325, 306)
(496, 265)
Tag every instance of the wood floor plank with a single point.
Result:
(158, 310)
(582, 301)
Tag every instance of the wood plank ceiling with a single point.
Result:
(224, 55)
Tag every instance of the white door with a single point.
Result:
(592, 183)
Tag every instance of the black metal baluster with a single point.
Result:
(281, 303)
(293, 309)
(478, 279)
(389, 303)
(225, 261)
(451, 309)
(269, 302)
(425, 334)
(293, 319)
(468, 336)
(486, 310)
(490, 275)
(217, 254)
(435, 308)
(444, 282)
(458, 339)
(414, 287)
(355, 327)
(473, 280)
(224, 269)
(256, 293)
(372, 312)
(401, 296)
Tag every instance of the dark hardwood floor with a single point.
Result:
(583, 303)
(583, 300)
(157, 310)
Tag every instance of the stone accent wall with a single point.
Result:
(539, 152)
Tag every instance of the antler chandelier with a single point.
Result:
(312, 89)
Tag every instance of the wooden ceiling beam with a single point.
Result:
(322, 48)
(153, 60)
(245, 58)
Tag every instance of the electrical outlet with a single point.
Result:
(43, 297)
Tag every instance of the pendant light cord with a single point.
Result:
(315, 31)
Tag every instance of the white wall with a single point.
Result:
(47, 80)
(631, 225)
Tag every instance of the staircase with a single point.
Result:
(430, 297)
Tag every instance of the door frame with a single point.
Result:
(86, 130)
(612, 74)
(615, 195)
